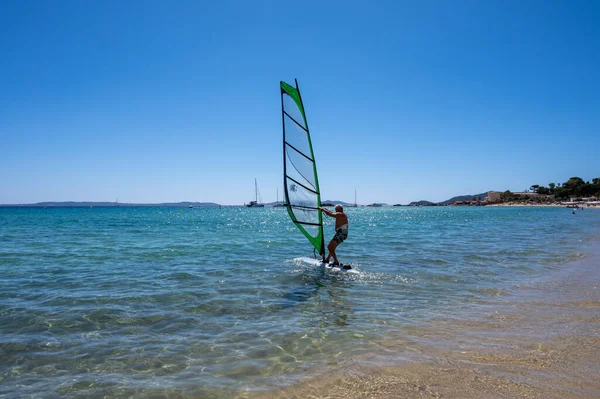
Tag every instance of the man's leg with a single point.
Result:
(329, 255)
(332, 246)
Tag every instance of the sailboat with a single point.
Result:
(302, 196)
(353, 205)
(255, 203)
(279, 204)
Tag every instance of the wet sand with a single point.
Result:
(541, 340)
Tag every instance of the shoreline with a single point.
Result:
(540, 340)
(585, 206)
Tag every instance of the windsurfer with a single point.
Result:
(341, 231)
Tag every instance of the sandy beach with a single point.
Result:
(537, 341)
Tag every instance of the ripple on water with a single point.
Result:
(149, 301)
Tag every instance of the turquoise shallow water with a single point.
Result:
(135, 301)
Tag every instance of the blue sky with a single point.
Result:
(150, 101)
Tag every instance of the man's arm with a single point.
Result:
(327, 212)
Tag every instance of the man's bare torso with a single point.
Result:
(341, 219)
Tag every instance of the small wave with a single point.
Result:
(575, 256)
(181, 276)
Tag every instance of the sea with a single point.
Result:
(216, 302)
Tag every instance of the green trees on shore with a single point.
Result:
(574, 187)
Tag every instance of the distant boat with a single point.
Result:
(255, 203)
(353, 205)
(190, 206)
(277, 203)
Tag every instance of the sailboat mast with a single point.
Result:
(255, 191)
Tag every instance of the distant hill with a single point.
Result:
(482, 196)
(450, 201)
(421, 203)
(185, 204)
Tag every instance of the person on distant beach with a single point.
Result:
(341, 231)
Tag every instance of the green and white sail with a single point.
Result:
(300, 181)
